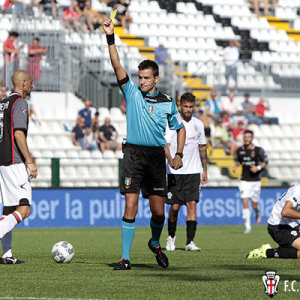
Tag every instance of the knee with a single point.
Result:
(24, 208)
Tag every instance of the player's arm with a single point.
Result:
(168, 155)
(289, 212)
(237, 161)
(121, 75)
(23, 147)
(177, 161)
(203, 157)
(263, 157)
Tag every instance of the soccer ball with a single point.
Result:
(62, 252)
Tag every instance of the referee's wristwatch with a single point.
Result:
(180, 154)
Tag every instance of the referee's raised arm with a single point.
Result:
(108, 28)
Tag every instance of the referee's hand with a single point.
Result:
(177, 162)
(108, 26)
(33, 170)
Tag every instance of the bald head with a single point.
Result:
(18, 77)
(22, 82)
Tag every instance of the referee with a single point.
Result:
(183, 184)
(16, 163)
(253, 159)
(148, 112)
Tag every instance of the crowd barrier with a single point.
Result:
(104, 208)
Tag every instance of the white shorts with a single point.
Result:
(250, 190)
(14, 184)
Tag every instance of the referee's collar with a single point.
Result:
(153, 95)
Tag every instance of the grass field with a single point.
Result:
(219, 271)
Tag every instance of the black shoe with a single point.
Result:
(124, 264)
(160, 256)
(10, 261)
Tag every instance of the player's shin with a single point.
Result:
(190, 231)
(156, 229)
(6, 243)
(172, 228)
(128, 231)
(246, 218)
(282, 253)
(9, 223)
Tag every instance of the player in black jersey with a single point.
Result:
(253, 159)
(16, 163)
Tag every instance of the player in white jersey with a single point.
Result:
(184, 184)
(283, 226)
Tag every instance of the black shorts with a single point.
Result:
(284, 235)
(183, 188)
(144, 168)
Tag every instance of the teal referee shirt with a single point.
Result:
(147, 116)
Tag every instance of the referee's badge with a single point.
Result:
(127, 182)
(150, 109)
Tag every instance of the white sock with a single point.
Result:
(6, 243)
(9, 223)
(246, 218)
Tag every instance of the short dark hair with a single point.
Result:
(13, 33)
(149, 64)
(36, 38)
(187, 97)
(249, 131)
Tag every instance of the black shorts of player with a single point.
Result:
(144, 168)
(284, 235)
(183, 188)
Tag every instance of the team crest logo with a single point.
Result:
(127, 182)
(270, 281)
(169, 195)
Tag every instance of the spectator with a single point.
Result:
(71, 16)
(9, 50)
(231, 55)
(249, 110)
(212, 106)
(261, 107)
(123, 106)
(228, 105)
(108, 135)
(80, 137)
(64, 4)
(222, 138)
(238, 133)
(35, 52)
(226, 121)
(161, 55)
(266, 6)
(7, 6)
(3, 91)
(95, 123)
(49, 7)
(92, 19)
(239, 116)
(123, 15)
(23, 7)
(86, 113)
(81, 4)
(206, 122)
(31, 111)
